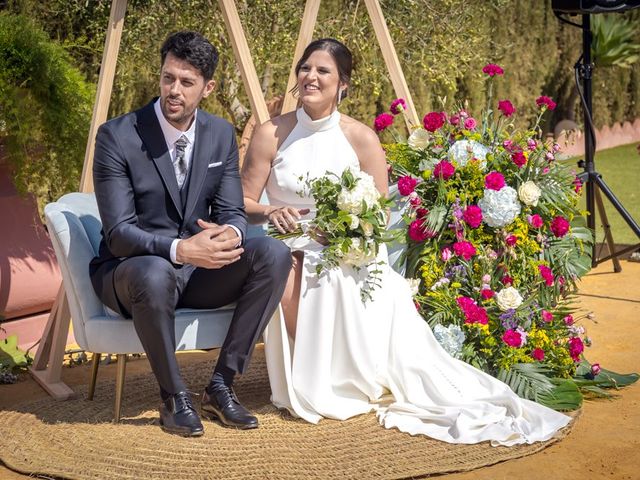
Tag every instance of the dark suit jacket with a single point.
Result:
(138, 198)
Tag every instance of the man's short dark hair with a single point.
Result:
(194, 49)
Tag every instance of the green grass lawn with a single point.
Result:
(620, 169)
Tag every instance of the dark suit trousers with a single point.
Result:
(150, 288)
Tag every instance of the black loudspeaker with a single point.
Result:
(574, 7)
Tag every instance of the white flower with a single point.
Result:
(499, 208)
(363, 191)
(355, 221)
(367, 229)
(427, 164)
(414, 285)
(451, 338)
(356, 256)
(529, 193)
(419, 138)
(464, 150)
(508, 298)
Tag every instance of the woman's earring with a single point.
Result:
(342, 93)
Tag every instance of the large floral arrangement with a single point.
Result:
(497, 241)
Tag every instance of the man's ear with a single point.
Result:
(208, 88)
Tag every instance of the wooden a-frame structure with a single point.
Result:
(47, 366)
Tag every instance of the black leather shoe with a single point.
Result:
(178, 416)
(223, 405)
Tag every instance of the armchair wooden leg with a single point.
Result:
(121, 368)
(95, 363)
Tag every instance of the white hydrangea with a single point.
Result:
(508, 298)
(418, 139)
(529, 193)
(499, 208)
(356, 256)
(464, 150)
(364, 190)
(451, 338)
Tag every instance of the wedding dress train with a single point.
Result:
(349, 358)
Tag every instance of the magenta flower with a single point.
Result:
(545, 102)
(576, 347)
(568, 320)
(487, 293)
(418, 231)
(559, 226)
(382, 121)
(512, 338)
(398, 106)
(444, 170)
(422, 212)
(473, 216)
(414, 200)
(537, 354)
(492, 70)
(577, 185)
(535, 221)
(446, 254)
(454, 119)
(546, 274)
(433, 121)
(494, 181)
(511, 240)
(547, 316)
(595, 369)
(465, 250)
(472, 312)
(507, 280)
(506, 107)
(470, 123)
(519, 159)
(406, 185)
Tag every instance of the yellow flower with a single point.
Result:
(426, 174)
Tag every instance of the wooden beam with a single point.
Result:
(47, 368)
(105, 86)
(391, 59)
(245, 62)
(304, 38)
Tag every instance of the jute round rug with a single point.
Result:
(76, 439)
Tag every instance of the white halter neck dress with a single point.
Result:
(350, 358)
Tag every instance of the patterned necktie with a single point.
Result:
(180, 163)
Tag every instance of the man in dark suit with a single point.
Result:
(168, 190)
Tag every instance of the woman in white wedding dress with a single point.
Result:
(329, 354)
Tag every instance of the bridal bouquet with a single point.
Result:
(351, 219)
(497, 241)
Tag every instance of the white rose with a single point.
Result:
(508, 298)
(355, 221)
(529, 193)
(367, 228)
(419, 138)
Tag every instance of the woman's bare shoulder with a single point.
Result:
(357, 132)
(276, 130)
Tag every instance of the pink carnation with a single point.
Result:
(487, 293)
(418, 232)
(559, 226)
(446, 254)
(444, 170)
(382, 121)
(544, 101)
(433, 121)
(470, 123)
(492, 69)
(512, 338)
(465, 250)
(595, 369)
(472, 312)
(577, 185)
(507, 280)
(519, 159)
(494, 181)
(547, 274)
(406, 185)
(568, 320)
(547, 316)
(454, 119)
(535, 221)
(398, 106)
(473, 216)
(576, 347)
(506, 107)
(414, 200)
(511, 240)
(422, 212)
(537, 354)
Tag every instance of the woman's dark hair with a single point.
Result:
(194, 49)
(338, 50)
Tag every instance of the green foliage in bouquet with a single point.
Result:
(498, 243)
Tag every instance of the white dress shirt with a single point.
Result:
(171, 136)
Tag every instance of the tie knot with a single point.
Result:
(181, 144)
